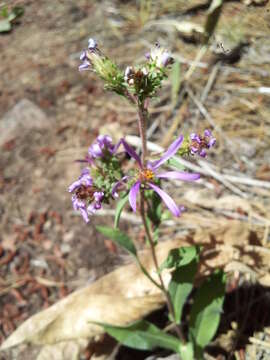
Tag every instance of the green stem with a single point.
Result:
(143, 115)
(146, 273)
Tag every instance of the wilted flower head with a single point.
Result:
(199, 144)
(95, 187)
(86, 198)
(160, 56)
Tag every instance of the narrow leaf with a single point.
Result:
(186, 351)
(119, 237)
(142, 335)
(206, 310)
(176, 80)
(214, 13)
(4, 12)
(181, 286)
(180, 257)
(119, 208)
(175, 163)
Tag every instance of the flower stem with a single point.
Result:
(142, 119)
(143, 115)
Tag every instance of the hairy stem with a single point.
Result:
(143, 115)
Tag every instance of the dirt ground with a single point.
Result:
(46, 250)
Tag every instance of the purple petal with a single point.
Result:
(203, 153)
(79, 205)
(116, 186)
(131, 152)
(92, 44)
(195, 137)
(175, 210)
(168, 154)
(115, 147)
(193, 150)
(133, 195)
(207, 133)
(84, 66)
(91, 210)
(74, 186)
(212, 142)
(95, 150)
(98, 195)
(148, 55)
(178, 175)
(83, 56)
(166, 58)
(84, 214)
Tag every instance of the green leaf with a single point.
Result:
(214, 13)
(184, 260)
(119, 208)
(119, 237)
(181, 286)
(176, 80)
(17, 11)
(206, 310)
(175, 163)
(154, 211)
(142, 335)
(180, 257)
(4, 12)
(5, 26)
(187, 352)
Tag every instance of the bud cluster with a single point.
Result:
(142, 81)
(93, 59)
(146, 80)
(197, 144)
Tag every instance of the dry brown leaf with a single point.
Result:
(118, 298)
(126, 295)
(207, 199)
(185, 28)
(67, 350)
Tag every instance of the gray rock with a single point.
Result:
(25, 115)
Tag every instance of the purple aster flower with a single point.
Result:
(85, 198)
(92, 44)
(101, 146)
(146, 176)
(211, 141)
(160, 56)
(199, 144)
(128, 72)
(88, 54)
(86, 65)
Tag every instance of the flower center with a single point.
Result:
(199, 145)
(85, 192)
(146, 175)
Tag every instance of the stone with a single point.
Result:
(25, 115)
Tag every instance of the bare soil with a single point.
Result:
(46, 250)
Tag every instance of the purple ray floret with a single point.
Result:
(200, 144)
(92, 44)
(84, 198)
(168, 154)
